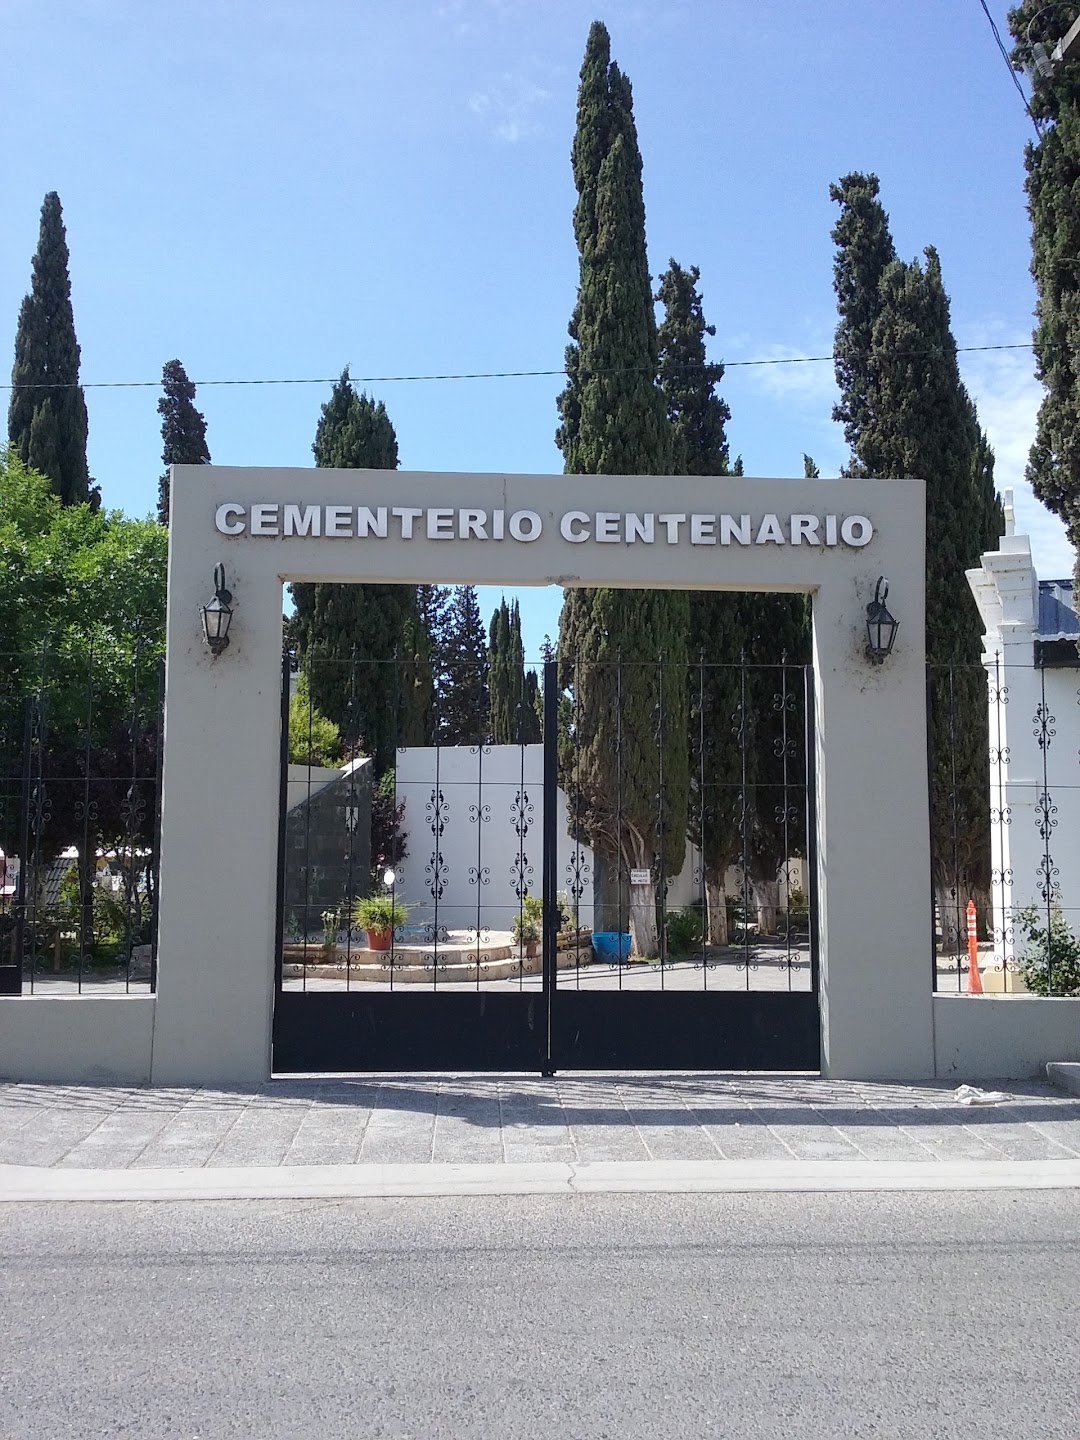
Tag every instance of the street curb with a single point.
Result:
(24, 1183)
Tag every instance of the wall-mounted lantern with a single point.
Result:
(881, 628)
(217, 615)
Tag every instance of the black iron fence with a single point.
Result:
(80, 784)
(1005, 823)
(682, 840)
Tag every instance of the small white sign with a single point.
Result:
(640, 877)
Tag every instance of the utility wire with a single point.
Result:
(480, 374)
(1009, 66)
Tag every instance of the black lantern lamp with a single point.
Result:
(881, 628)
(217, 615)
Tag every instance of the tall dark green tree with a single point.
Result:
(183, 429)
(864, 247)
(502, 700)
(352, 638)
(462, 702)
(698, 418)
(47, 415)
(913, 417)
(613, 421)
(1053, 190)
(512, 691)
(737, 643)
(688, 380)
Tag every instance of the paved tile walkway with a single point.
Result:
(574, 1118)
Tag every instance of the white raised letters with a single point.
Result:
(227, 519)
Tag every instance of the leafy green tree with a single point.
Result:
(1053, 190)
(462, 701)
(47, 414)
(351, 638)
(183, 429)
(82, 625)
(624, 651)
(912, 416)
(313, 738)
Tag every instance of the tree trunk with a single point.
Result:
(643, 933)
(716, 910)
(767, 901)
(951, 919)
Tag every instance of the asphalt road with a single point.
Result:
(887, 1315)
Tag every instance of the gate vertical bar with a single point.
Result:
(810, 732)
(283, 803)
(155, 851)
(930, 691)
(24, 847)
(549, 869)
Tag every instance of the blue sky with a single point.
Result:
(272, 190)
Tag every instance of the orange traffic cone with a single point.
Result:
(975, 985)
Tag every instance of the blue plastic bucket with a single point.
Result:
(610, 945)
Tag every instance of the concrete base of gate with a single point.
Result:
(77, 1039)
(109, 1039)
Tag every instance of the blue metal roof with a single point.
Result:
(1058, 619)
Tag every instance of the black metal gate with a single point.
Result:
(80, 790)
(585, 960)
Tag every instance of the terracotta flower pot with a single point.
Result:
(379, 939)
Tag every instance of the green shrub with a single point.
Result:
(529, 921)
(1050, 963)
(685, 930)
(109, 911)
(313, 738)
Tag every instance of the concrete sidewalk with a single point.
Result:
(449, 1134)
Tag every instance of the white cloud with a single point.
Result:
(792, 376)
(510, 107)
(1007, 396)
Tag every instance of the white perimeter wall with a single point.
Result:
(486, 793)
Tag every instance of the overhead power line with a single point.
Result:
(475, 374)
(1009, 66)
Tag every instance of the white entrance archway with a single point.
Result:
(219, 809)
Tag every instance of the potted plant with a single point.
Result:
(380, 916)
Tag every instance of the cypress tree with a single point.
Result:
(351, 638)
(462, 702)
(47, 415)
(501, 699)
(688, 381)
(1053, 191)
(698, 417)
(915, 418)
(735, 786)
(864, 247)
(526, 686)
(512, 691)
(183, 429)
(613, 421)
